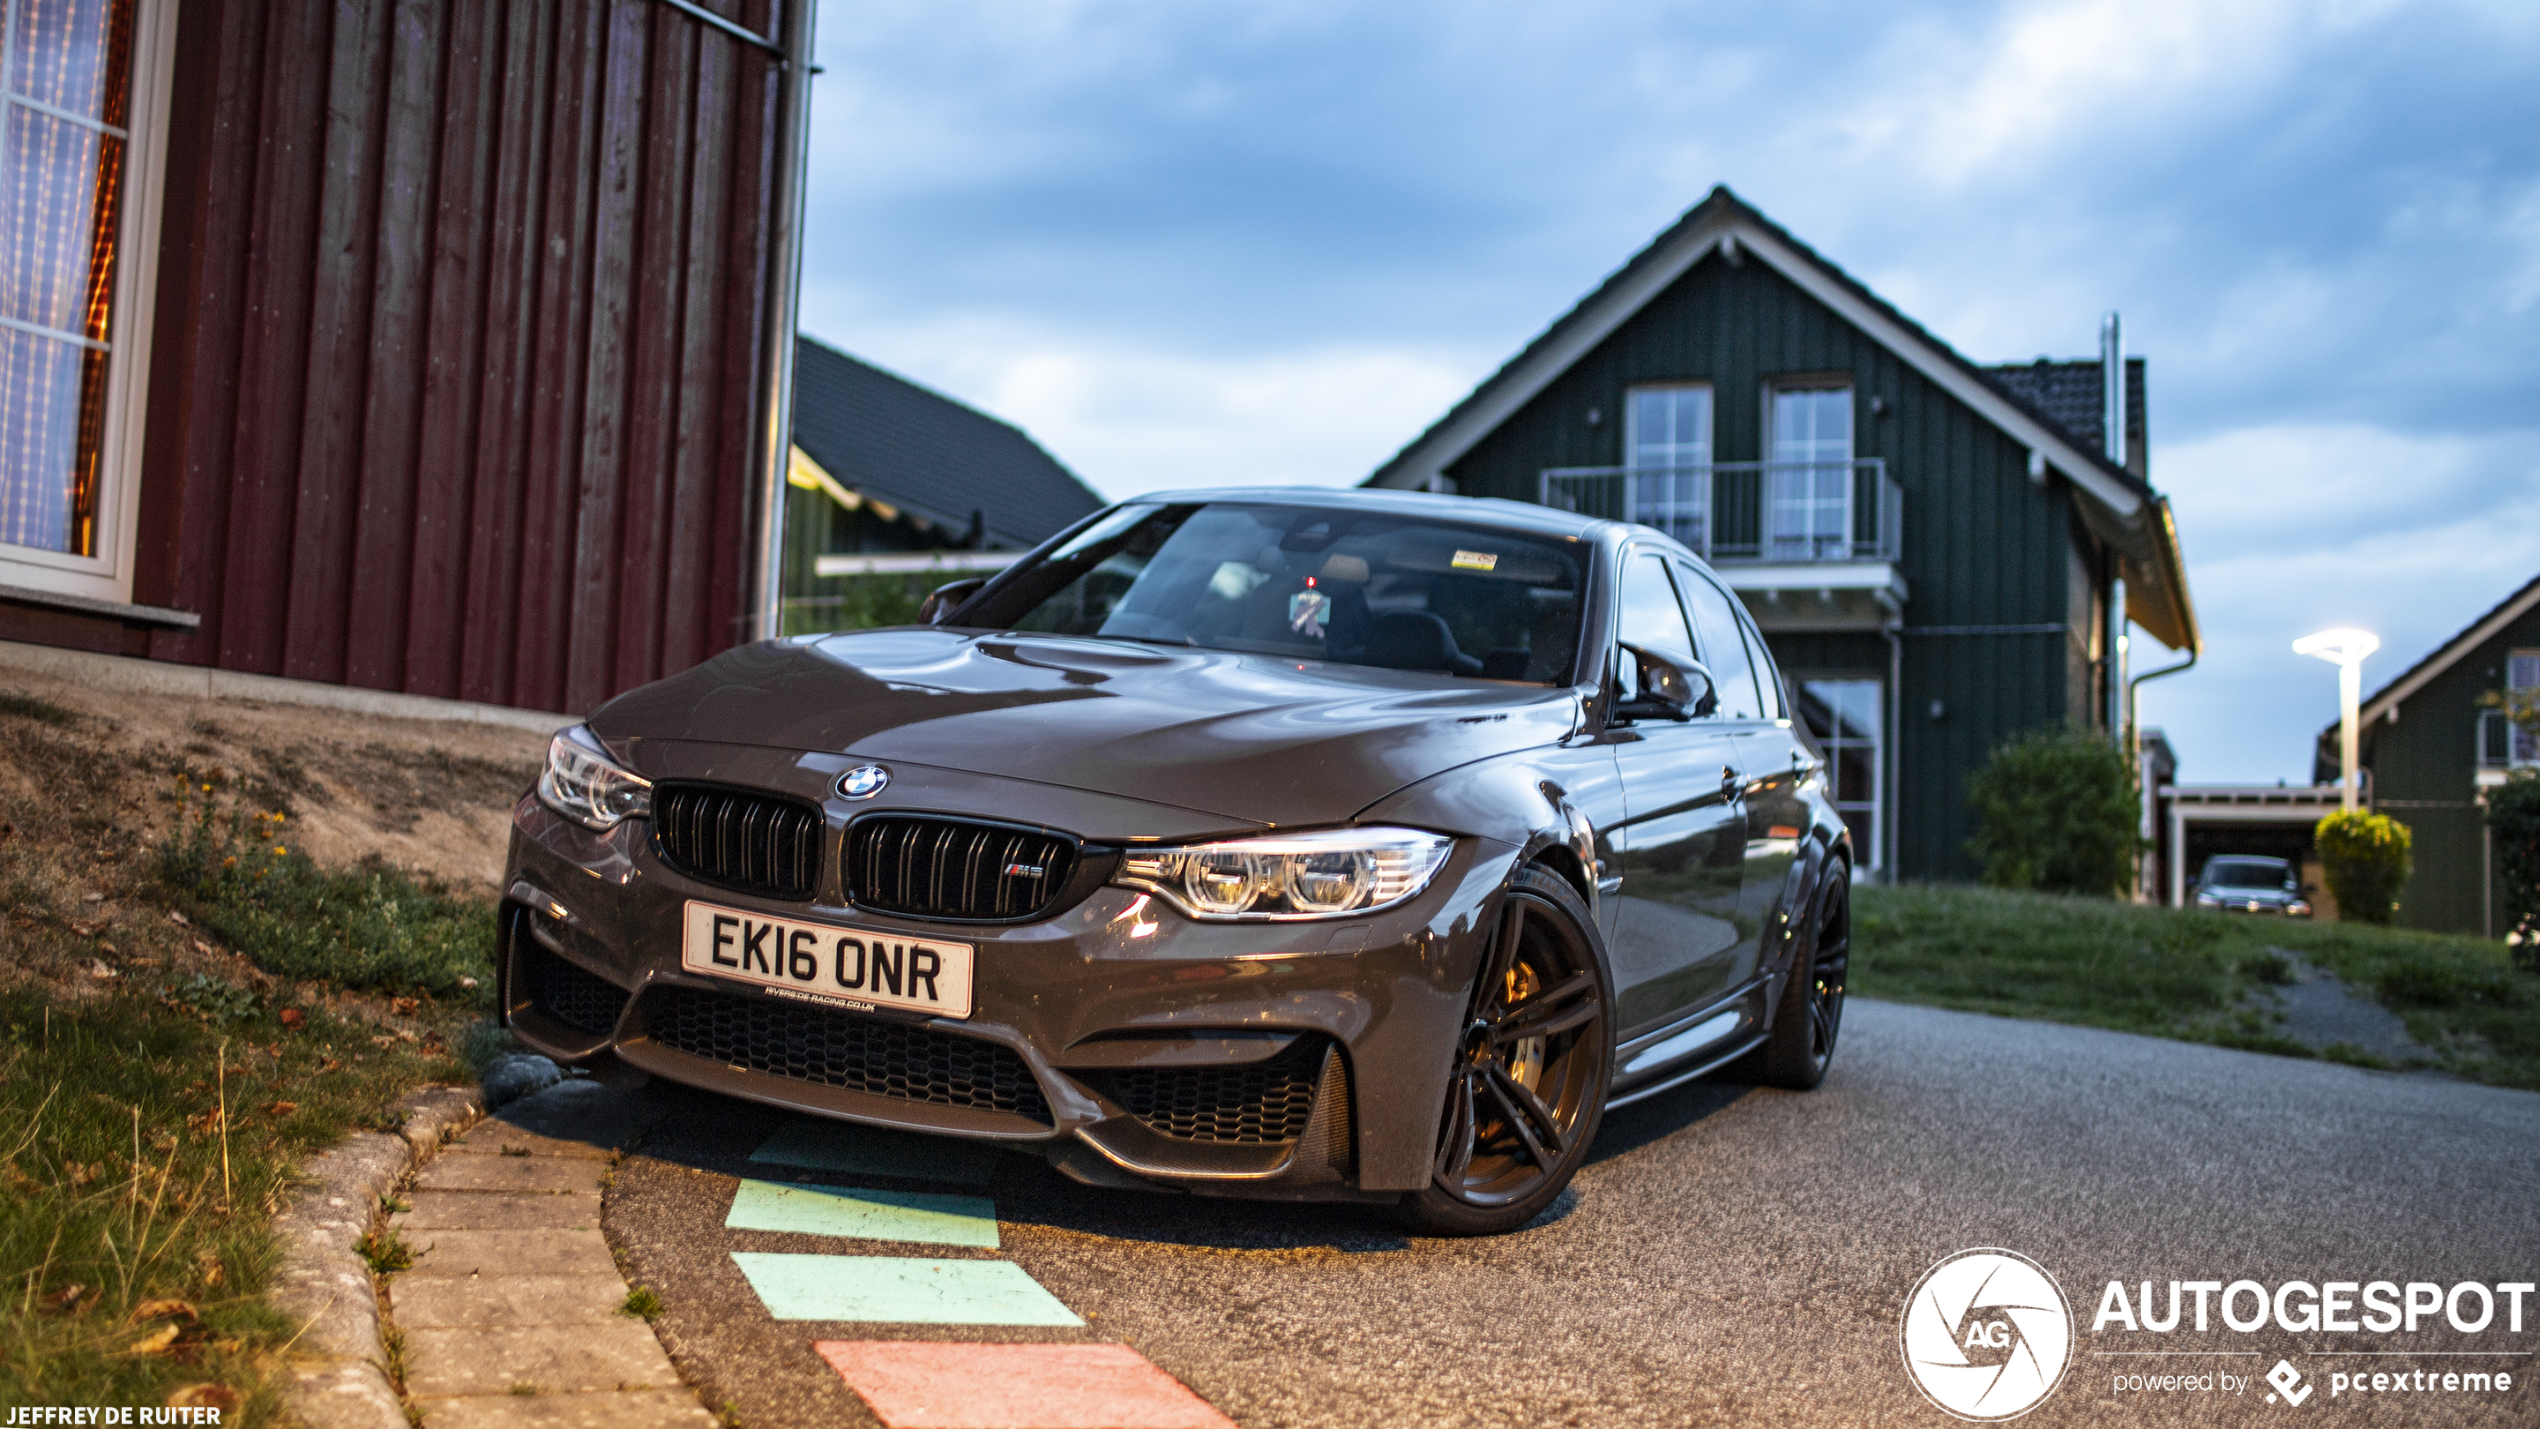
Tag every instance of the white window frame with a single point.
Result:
(1774, 391)
(1676, 496)
(107, 575)
(1873, 858)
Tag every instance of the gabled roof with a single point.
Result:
(2451, 652)
(2124, 510)
(884, 436)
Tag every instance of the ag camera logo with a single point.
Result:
(1987, 1335)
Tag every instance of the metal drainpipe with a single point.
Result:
(784, 306)
(2178, 845)
(1891, 795)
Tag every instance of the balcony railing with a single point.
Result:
(2502, 744)
(1732, 511)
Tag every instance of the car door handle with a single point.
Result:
(1728, 783)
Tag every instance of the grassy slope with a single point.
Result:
(2185, 973)
(139, 1163)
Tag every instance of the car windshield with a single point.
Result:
(1307, 583)
(2247, 873)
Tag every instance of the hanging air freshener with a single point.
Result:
(1306, 610)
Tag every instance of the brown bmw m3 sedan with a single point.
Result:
(1299, 844)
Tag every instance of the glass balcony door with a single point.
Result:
(1667, 443)
(1808, 485)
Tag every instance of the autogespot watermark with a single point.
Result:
(1988, 1335)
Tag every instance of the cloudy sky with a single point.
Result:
(1189, 243)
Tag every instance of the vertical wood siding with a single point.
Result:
(1983, 545)
(455, 360)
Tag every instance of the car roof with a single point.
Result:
(1474, 510)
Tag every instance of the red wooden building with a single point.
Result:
(434, 346)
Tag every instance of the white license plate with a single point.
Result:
(854, 967)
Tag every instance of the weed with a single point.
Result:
(642, 1303)
(2354, 1056)
(371, 926)
(212, 999)
(523, 1388)
(2268, 966)
(385, 1251)
(41, 711)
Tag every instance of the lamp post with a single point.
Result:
(2346, 650)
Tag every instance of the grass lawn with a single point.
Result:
(2186, 973)
(189, 1009)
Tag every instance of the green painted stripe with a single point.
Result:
(900, 1290)
(874, 1151)
(864, 1215)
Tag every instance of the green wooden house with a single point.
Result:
(1941, 554)
(2430, 750)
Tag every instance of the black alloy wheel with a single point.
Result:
(1800, 1046)
(1530, 1070)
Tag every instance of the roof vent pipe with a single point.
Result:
(2112, 387)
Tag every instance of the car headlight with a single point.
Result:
(585, 785)
(1328, 873)
(2209, 900)
(2297, 909)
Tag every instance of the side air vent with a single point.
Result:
(922, 866)
(741, 839)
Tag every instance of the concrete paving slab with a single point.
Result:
(918, 1216)
(873, 1151)
(920, 1385)
(513, 1173)
(557, 1359)
(900, 1290)
(635, 1409)
(532, 1252)
(496, 1138)
(601, 1113)
(439, 1210)
(436, 1302)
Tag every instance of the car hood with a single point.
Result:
(1249, 737)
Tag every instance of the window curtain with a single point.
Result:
(66, 64)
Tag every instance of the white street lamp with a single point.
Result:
(2345, 649)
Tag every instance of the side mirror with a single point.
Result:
(947, 598)
(1668, 690)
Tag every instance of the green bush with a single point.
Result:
(370, 926)
(2513, 819)
(2366, 859)
(2057, 812)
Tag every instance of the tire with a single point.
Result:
(1800, 1045)
(1522, 1110)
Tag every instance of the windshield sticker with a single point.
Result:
(1476, 560)
(1306, 610)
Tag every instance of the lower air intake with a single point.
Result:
(841, 1049)
(1257, 1104)
(583, 1001)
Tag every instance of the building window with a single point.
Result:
(1844, 717)
(82, 86)
(2522, 675)
(1667, 445)
(1808, 502)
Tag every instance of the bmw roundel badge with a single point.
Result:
(863, 782)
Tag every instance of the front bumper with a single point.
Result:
(1127, 1043)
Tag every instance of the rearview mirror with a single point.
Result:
(947, 598)
(1667, 690)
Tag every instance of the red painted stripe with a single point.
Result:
(916, 1384)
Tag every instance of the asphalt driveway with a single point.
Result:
(1731, 1255)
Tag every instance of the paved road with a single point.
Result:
(1732, 1255)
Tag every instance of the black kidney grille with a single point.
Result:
(839, 1049)
(952, 868)
(1261, 1103)
(583, 1001)
(755, 843)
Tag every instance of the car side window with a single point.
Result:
(1768, 676)
(1722, 645)
(1651, 619)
